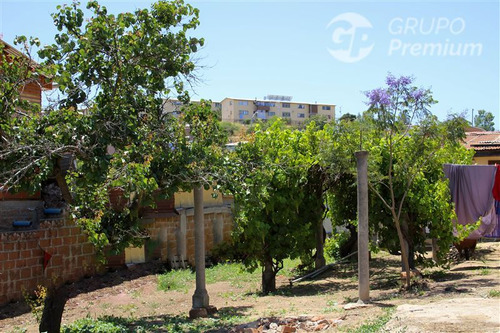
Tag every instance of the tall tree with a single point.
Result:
(113, 74)
(485, 120)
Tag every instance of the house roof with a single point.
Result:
(46, 80)
(482, 140)
(9, 49)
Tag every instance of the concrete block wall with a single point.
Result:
(12, 210)
(173, 237)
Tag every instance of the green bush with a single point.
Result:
(231, 128)
(334, 244)
(91, 325)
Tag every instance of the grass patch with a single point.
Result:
(18, 330)
(234, 273)
(100, 325)
(290, 267)
(376, 325)
(178, 280)
(494, 293)
(223, 319)
(332, 306)
(484, 271)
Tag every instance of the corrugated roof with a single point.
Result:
(482, 140)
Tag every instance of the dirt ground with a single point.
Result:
(464, 298)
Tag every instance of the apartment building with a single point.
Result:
(245, 110)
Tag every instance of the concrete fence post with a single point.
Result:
(181, 235)
(363, 231)
(200, 296)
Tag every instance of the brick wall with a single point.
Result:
(21, 257)
(73, 257)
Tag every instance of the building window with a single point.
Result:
(301, 106)
(243, 113)
(270, 104)
(218, 105)
(301, 115)
(271, 114)
(325, 107)
(286, 114)
(243, 103)
(285, 105)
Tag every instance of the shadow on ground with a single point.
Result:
(88, 284)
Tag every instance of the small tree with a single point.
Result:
(406, 159)
(485, 120)
(277, 187)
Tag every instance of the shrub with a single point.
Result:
(36, 301)
(334, 244)
(231, 128)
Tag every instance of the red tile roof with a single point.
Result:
(482, 140)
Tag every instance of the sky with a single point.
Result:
(327, 51)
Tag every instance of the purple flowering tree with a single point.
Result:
(403, 122)
(399, 105)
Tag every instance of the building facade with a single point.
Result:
(243, 110)
(248, 110)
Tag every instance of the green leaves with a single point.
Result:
(113, 74)
(273, 178)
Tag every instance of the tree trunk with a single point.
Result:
(410, 246)
(411, 256)
(268, 278)
(53, 309)
(319, 260)
(404, 253)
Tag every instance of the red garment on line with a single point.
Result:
(496, 185)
